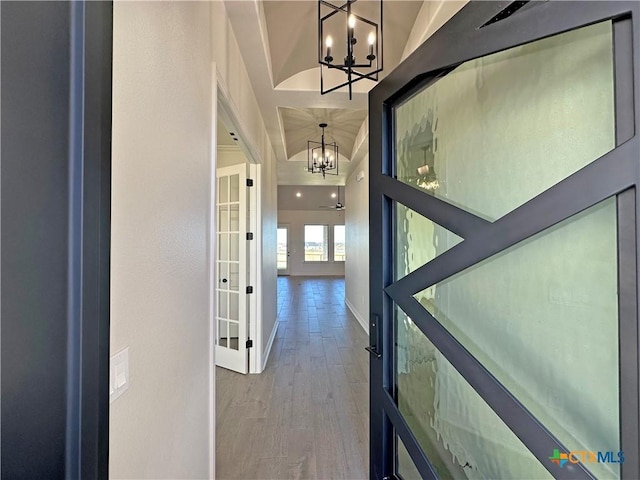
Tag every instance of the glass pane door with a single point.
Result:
(500, 305)
(283, 250)
(231, 263)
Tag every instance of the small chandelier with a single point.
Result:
(322, 157)
(349, 65)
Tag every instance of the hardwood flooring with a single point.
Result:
(307, 415)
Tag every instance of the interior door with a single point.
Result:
(504, 169)
(283, 250)
(231, 267)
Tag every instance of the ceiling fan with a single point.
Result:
(338, 206)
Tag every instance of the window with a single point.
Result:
(338, 243)
(316, 243)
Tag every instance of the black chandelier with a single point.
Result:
(322, 157)
(332, 22)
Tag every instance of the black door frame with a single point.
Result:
(468, 35)
(56, 234)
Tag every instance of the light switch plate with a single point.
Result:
(118, 374)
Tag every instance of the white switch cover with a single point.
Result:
(118, 374)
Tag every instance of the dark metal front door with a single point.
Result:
(504, 169)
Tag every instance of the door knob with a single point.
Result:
(224, 280)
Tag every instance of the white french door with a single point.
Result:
(232, 314)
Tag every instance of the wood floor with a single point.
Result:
(307, 414)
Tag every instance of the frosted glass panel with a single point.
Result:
(460, 434)
(542, 317)
(404, 465)
(499, 130)
(418, 240)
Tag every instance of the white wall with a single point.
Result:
(159, 280)
(269, 218)
(296, 220)
(357, 244)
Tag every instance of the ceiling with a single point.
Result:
(285, 77)
(223, 135)
(301, 124)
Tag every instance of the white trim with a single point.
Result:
(270, 344)
(229, 148)
(211, 248)
(255, 269)
(356, 314)
(228, 111)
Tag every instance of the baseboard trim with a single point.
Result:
(364, 324)
(267, 350)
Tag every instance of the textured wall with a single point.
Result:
(160, 300)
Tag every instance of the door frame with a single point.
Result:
(459, 40)
(230, 115)
(285, 273)
(58, 332)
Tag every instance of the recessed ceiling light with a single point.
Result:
(333, 195)
(298, 194)
(231, 133)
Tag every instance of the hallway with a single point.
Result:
(307, 414)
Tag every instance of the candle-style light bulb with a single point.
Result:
(328, 43)
(352, 22)
(372, 41)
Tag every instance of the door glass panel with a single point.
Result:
(501, 129)
(404, 465)
(234, 276)
(223, 274)
(418, 240)
(460, 434)
(223, 218)
(223, 190)
(234, 189)
(222, 304)
(223, 333)
(234, 334)
(234, 217)
(282, 249)
(234, 247)
(234, 303)
(542, 317)
(223, 246)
